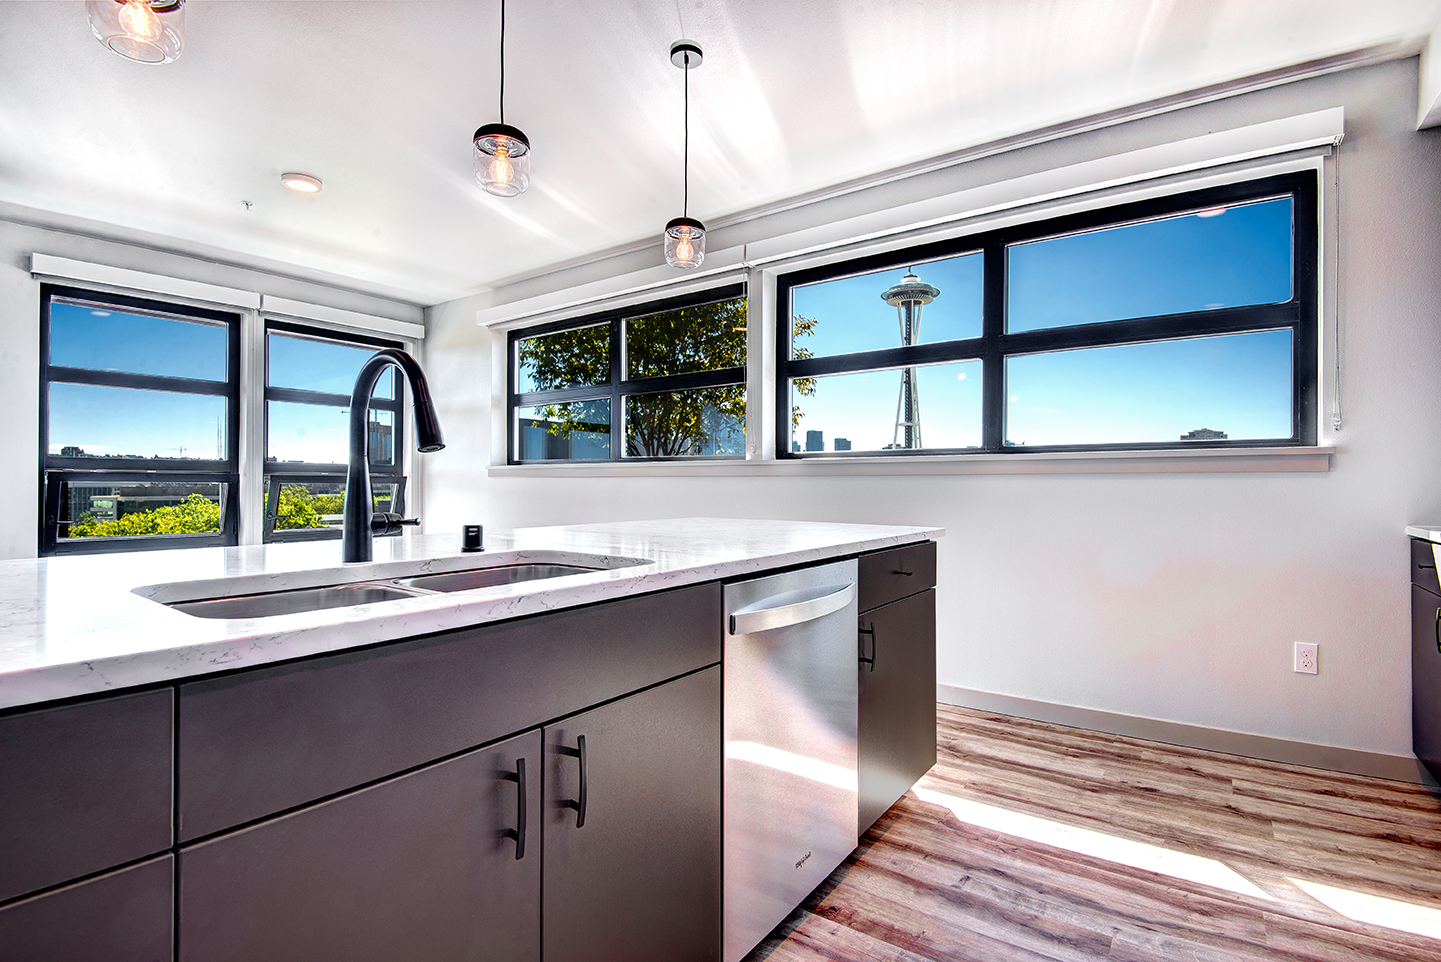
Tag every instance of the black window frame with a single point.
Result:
(278, 473)
(617, 389)
(1299, 315)
(57, 470)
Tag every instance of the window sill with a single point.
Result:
(1198, 461)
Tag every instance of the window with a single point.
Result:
(1182, 321)
(139, 416)
(309, 375)
(663, 380)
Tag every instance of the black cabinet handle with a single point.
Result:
(518, 833)
(1438, 629)
(1432, 567)
(906, 573)
(872, 659)
(577, 803)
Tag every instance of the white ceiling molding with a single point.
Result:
(624, 290)
(300, 310)
(1318, 130)
(51, 267)
(1428, 110)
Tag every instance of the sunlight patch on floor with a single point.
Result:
(1122, 851)
(1375, 909)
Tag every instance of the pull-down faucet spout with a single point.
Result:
(359, 512)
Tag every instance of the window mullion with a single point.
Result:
(617, 400)
(251, 437)
(993, 328)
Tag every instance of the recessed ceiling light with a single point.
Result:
(302, 183)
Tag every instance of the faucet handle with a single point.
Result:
(388, 522)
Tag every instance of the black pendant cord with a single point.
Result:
(502, 61)
(685, 175)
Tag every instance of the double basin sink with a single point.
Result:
(213, 600)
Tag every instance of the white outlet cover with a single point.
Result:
(1307, 657)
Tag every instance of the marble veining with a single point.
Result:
(81, 624)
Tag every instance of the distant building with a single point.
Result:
(71, 451)
(796, 447)
(1204, 434)
(815, 441)
(842, 444)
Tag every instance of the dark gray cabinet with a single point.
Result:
(638, 877)
(896, 713)
(422, 866)
(1425, 658)
(124, 916)
(83, 788)
(259, 742)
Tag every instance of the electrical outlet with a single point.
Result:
(1307, 655)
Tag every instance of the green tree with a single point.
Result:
(707, 337)
(298, 507)
(195, 515)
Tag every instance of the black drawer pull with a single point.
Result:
(1432, 567)
(906, 573)
(577, 803)
(518, 833)
(1438, 629)
(872, 632)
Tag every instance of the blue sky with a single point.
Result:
(1239, 384)
(124, 421)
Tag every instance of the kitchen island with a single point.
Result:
(389, 779)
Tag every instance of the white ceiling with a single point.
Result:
(379, 99)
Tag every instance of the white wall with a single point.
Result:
(1170, 596)
(20, 338)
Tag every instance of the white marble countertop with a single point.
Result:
(77, 625)
(1426, 532)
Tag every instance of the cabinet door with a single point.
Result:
(259, 742)
(897, 712)
(640, 878)
(419, 867)
(121, 917)
(83, 788)
(1426, 678)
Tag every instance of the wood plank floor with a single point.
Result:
(1030, 841)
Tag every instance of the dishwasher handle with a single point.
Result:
(791, 608)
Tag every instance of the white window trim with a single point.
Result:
(1305, 142)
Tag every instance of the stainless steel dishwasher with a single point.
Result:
(790, 743)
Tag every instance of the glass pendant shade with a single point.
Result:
(502, 159)
(684, 243)
(147, 31)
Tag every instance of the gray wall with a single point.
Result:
(1169, 596)
(20, 337)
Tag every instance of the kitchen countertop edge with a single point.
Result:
(70, 651)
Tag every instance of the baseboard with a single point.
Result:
(1400, 768)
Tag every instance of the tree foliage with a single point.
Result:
(299, 508)
(195, 515)
(706, 337)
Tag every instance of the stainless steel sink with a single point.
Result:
(489, 577)
(289, 602)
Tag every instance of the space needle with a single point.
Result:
(908, 297)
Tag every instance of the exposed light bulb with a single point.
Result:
(502, 160)
(146, 31)
(684, 243)
(139, 21)
(501, 172)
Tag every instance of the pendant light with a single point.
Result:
(147, 31)
(502, 152)
(684, 235)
